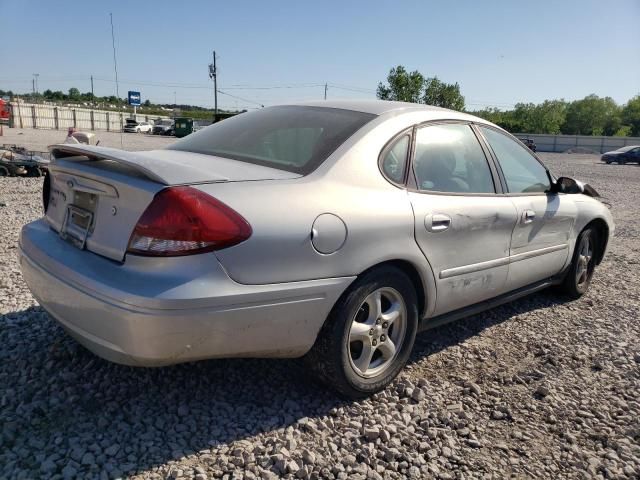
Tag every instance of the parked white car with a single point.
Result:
(138, 127)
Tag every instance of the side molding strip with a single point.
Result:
(498, 262)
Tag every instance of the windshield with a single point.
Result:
(164, 122)
(625, 149)
(292, 138)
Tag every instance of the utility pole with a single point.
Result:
(33, 87)
(325, 91)
(35, 84)
(92, 95)
(214, 74)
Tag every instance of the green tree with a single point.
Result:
(592, 116)
(631, 115)
(402, 86)
(546, 117)
(549, 116)
(441, 94)
(74, 94)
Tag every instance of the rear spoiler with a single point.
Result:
(132, 159)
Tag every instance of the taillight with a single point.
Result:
(184, 221)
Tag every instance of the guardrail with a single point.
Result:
(31, 115)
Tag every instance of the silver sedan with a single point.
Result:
(332, 230)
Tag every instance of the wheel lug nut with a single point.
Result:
(374, 342)
(385, 325)
(382, 338)
(371, 332)
(378, 322)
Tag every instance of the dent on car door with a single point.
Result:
(540, 240)
(461, 225)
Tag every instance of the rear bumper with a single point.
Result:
(153, 312)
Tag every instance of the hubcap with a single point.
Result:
(377, 331)
(585, 254)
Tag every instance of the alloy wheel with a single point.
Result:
(585, 255)
(377, 332)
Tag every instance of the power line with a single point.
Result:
(240, 98)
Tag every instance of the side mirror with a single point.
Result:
(567, 185)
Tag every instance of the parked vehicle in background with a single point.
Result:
(630, 153)
(164, 126)
(529, 143)
(133, 126)
(87, 138)
(330, 230)
(18, 161)
(4, 111)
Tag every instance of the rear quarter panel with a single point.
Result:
(378, 216)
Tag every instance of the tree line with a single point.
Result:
(592, 115)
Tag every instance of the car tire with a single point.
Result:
(4, 172)
(578, 278)
(365, 342)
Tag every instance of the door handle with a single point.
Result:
(528, 216)
(437, 222)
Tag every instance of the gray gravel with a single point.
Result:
(540, 388)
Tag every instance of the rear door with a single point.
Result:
(462, 226)
(540, 240)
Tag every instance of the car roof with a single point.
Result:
(375, 107)
(382, 107)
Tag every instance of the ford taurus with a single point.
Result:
(333, 231)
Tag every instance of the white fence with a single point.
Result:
(562, 143)
(29, 115)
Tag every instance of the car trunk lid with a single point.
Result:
(97, 195)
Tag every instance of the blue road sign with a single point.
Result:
(134, 98)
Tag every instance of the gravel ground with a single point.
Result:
(539, 388)
(39, 140)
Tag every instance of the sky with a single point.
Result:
(270, 52)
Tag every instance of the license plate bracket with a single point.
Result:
(76, 225)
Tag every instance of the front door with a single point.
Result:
(540, 240)
(461, 225)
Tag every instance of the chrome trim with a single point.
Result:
(474, 267)
(535, 253)
(498, 262)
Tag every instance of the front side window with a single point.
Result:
(448, 158)
(292, 138)
(395, 160)
(522, 171)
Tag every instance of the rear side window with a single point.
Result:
(448, 158)
(292, 138)
(395, 160)
(522, 171)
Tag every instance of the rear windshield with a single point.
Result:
(292, 138)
